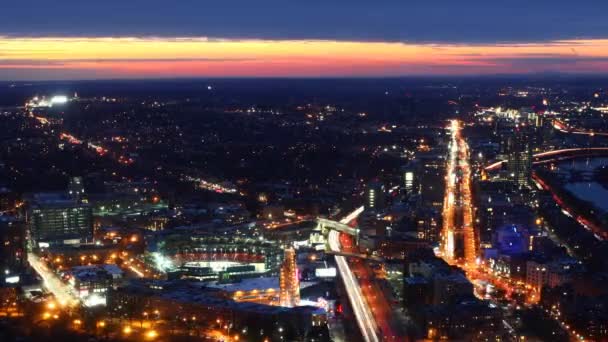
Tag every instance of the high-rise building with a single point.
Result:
(289, 295)
(374, 196)
(519, 157)
(410, 183)
(55, 219)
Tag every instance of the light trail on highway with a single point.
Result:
(362, 312)
(373, 295)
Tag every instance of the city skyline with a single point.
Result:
(460, 209)
(319, 171)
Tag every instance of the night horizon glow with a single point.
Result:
(62, 58)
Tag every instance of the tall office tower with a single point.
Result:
(76, 188)
(289, 295)
(374, 196)
(410, 183)
(55, 219)
(519, 157)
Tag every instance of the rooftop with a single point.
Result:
(249, 284)
(202, 294)
(83, 273)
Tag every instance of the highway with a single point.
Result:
(388, 325)
(363, 314)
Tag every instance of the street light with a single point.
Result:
(151, 334)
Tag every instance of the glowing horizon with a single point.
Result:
(27, 58)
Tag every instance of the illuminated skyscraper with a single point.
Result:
(374, 196)
(410, 183)
(289, 295)
(519, 157)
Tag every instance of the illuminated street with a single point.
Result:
(458, 221)
(458, 209)
(60, 290)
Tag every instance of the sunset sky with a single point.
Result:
(238, 38)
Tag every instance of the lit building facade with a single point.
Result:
(59, 221)
(202, 306)
(91, 283)
(374, 196)
(519, 157)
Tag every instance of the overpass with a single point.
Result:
(556, 155)
(326, 225)
(357, 255)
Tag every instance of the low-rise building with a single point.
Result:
(91, 283)
(187, 300)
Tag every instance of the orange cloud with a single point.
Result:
(192, 57)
